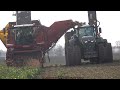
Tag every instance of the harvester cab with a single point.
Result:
(23, 34)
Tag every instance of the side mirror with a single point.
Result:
(100, 31)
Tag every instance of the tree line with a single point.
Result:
(58, 50)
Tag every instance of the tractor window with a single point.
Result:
(86, 31)
(24, 35)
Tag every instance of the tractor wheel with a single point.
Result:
(71, 56)
(76, 55)
(68, 49)
(68, 55)
(9, 59)
(109, 54)
(18, 62)
(101, 55)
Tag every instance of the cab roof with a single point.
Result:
(24, 25)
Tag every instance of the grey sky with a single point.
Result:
(109, 21)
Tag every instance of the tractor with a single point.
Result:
(85, 42)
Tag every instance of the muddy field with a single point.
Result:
(56, 69)
(85, 71)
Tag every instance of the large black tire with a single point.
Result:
(9, 58)
(76, 55)
(108, 53)
(18, 62)
(72, 53)
(68, 49)
(101, 53)
(67, 55)
(71, 56)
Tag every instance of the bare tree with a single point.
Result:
(59, 51)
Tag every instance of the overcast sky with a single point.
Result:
(110, 21)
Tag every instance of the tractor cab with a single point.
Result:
(85, 31)
(23, 34)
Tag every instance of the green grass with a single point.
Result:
(19, 73)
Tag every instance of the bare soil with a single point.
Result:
(84, 71)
